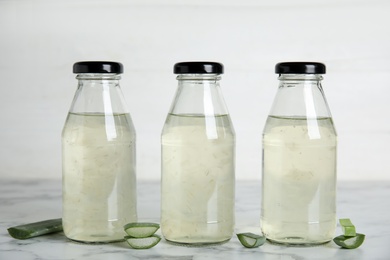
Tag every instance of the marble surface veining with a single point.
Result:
(366, 203)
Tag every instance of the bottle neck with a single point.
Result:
(100, 80)
(98, 93)
(199, 94)
(98, 76)
(198, 84)
(300, 96)
(298, 78)
(197, 78)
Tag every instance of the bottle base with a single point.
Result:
(98, 241)
(196, 244)
(297, 242)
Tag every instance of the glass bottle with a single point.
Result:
(198, 160)
(299, 159)
(98, 157)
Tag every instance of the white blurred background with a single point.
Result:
(41, 39)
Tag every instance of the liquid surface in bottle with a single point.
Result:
(198, 164)
(99, 187)
(299, 180)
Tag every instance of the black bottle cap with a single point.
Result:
(198, 67)
(98, 67)
(300, 68)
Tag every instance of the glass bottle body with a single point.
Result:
(198, 165)
(99, 167)
(299, 165)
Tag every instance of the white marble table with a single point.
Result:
(366, 203)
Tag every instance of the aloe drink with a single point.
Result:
(299, 176)
(197, 179)
(99, 193)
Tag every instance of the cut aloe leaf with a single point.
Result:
(143, 243)
(251, 240)
(36, 229)
(141, 229)
(347, 227)
(350, 242)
